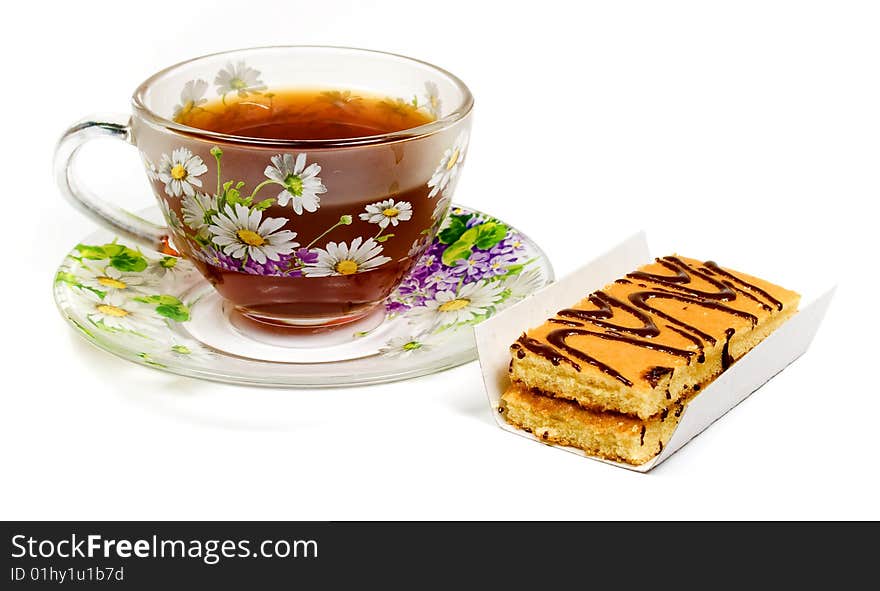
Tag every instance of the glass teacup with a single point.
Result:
(291, 231)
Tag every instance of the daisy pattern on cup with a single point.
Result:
(449, 167)
(243, 234)
(169, 214)
(418, 246)
(198, 209)
(240, 78)
(149, 167)
(432, 98)
(440, 209)
(301, 183)
(342, 259)
(180, 172)
(387, 212)
(192, 96)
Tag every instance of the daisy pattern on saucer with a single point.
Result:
(523, 284)
(170, 269)
(387, 212)
(180, 172)
(244, 234)
(449, 167)
(301, 183)
(198, 209)
(176, 348)
(192, 96)
(238, 77)
(405, 346)
(111, 280)
(471, 301)
(116, 312)
(342, 259)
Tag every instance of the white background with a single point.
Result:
(746, 132)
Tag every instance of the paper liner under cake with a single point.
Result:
(612, 374)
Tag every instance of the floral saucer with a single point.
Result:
(158, 311)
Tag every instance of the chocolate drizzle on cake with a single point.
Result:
(682, 276)
(655, 374)
(713, 266)
(557, 338)
(677, 286)
(726, 359)
(545, 351)
(604, 303)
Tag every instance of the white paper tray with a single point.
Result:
(771, 356)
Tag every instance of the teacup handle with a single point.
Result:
(123, 222)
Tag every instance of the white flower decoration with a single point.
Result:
(449, 167)
(191, 96)
(406, 346)
(180, 172)
(440, 209)
(448, 307)
(523, 284)
(418, 246)
(112, 280)
(170, 269)
(238, 77)
(198, 209)
(243, 233)
(116, 312)
(387, 212)
(432, 99)
(301, 183)
(150, 168)
(341, 259)
(169, 214)
(176, 349)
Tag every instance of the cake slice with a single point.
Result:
(609, 435)
(650, 339)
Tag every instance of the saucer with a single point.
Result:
(157, 310)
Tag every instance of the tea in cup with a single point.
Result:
(303, 182)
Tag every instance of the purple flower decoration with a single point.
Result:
(499, 264)
(305, 256)
(428, 276)
(512, 243)
(395, 306)
(476, 265)
(441, 280)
